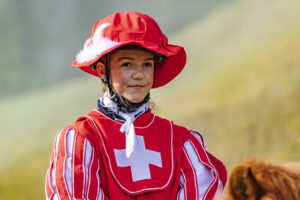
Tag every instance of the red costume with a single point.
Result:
(84, 164)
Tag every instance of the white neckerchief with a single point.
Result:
(127, 126)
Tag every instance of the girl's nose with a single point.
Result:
(138, 72)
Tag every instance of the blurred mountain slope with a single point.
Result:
(240, 89)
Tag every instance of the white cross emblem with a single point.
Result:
(139, 160)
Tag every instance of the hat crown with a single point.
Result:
(131, 27)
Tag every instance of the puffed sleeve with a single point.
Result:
(74, 168)
(202, 175)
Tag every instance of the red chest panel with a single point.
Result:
(152, 167)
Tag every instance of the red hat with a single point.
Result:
(131, 28)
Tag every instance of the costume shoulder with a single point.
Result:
(196, 140)
(193, 141)
(177, 129)
(84, 125)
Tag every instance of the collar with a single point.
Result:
(109, 108)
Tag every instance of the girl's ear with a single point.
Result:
(101, 70)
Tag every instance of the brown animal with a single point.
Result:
(261, 180)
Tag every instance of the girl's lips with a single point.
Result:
(137, 86)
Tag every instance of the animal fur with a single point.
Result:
(261, 180)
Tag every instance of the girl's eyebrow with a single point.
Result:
(130, 58)
(152, 58)
(125, 58)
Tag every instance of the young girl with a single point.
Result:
(122, 151)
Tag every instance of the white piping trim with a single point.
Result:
(83, 168)
(193, 170)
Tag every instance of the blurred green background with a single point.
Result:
(240, 87)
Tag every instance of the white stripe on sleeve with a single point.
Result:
(87, 161)
(68, 169)
(204, 175)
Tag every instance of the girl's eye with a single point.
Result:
(148, 64)
(126, 64)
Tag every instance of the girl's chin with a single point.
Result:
(134, 100)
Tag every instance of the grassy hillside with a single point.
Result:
(241, 85)
(240, 89)
(251, 106)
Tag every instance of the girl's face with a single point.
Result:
(131, 73)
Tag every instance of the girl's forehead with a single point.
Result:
(129, 53)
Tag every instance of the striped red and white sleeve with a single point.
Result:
(199, 178)
(74, 169)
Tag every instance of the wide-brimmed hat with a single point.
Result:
(131, 28)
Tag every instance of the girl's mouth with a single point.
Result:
(137, 86)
